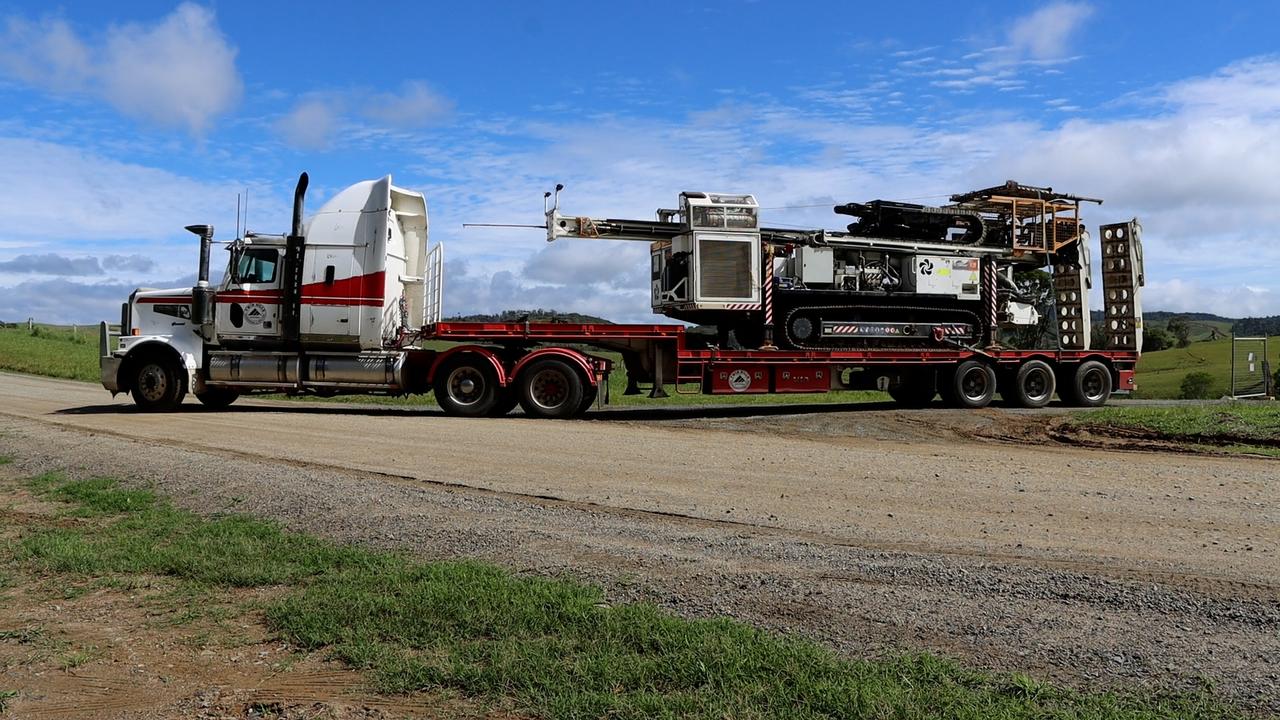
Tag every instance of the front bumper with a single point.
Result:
(110, 366)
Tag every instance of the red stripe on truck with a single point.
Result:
(363, 290)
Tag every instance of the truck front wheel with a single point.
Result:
(551, 388)
(157, 384)
(467, 387)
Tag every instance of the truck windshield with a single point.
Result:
(258, 265)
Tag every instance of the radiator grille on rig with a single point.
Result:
(724, 269)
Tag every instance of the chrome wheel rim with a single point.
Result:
(153, 383)
(466, 385)
(974, 384)
(549, 389)
(1036, 384)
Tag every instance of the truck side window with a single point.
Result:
(258, 265)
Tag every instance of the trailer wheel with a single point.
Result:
(917, 393)
(466, 387)
(550, 388)
(216, 398)
(508, 398)
(157, 384)
(1090, 385)
(973, 385)
(1033, 385)
(589, 394)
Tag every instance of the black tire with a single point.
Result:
(589, 394)
(216, 398)
(1033, 385)
(1090, 386)
(914, 392)
(157, 383)
(550, 388)
(508, 398)
(467, 386)
(972, 385)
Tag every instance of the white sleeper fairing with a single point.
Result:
(364, 259)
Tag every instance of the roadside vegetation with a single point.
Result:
(51, 350)
(1238, 427)
(533, 646)
(1163, 374)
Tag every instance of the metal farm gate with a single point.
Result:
(1250, 370)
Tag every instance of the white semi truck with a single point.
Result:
(910, 301)
(324, 309)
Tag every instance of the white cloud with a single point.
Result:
(416, 105)
(177, 72)
(55, 194)
(1046, 34)
(319, 117)
(310, 125)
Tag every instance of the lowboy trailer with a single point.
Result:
(910, 301)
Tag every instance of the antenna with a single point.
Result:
(237, 214)
(246, 211)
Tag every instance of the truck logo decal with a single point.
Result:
(739, 380)
(255, 313)
(926, 267)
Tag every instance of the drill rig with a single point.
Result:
(900, 276)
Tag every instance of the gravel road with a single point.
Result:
(869, 530)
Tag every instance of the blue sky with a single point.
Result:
(122, 122)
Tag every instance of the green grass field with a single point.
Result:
(535, 646)
(1239, 427)
(1160, 373)
(54, 351)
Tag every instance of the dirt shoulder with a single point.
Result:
(1107, 610)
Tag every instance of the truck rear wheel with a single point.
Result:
(467, 387)
(1090, 385)
(216, 398)
(973, 385)
(1033, 385)
(157, 384)
(551, 388)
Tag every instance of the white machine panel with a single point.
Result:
(948, 275)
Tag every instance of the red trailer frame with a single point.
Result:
(658, 354)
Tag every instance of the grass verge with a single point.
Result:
(550, 648)
(1241, 427)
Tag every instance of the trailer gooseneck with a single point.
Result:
(909, 299)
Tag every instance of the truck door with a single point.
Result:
(248, 304)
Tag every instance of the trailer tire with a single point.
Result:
(550, 388)
(915, 394)
(972, 385)
(589, 394)
(1033, 385)
(156, 383)
(1090, 385)
(508, 398)
(216, 398)
(467, 387)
